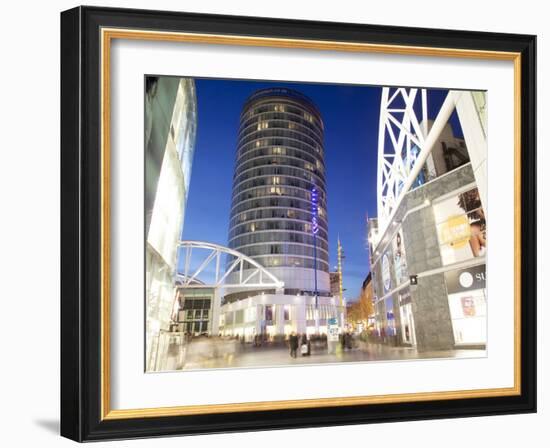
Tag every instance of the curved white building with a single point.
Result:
(279, 165)
(280, 160)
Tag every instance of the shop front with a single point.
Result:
(408, 336)
(467, 297)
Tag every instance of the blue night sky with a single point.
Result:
(350, 115)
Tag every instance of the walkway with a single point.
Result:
(212, 354)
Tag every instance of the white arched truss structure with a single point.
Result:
(401, 136)
(405, 142)
(210, 258)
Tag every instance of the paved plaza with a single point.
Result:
(214, 354)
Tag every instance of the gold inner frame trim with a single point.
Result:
(107, 35)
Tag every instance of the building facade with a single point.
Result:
(428, 267)
(279, 207)
(194, 310)
(274, 316)
(170, 129)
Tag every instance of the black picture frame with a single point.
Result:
(81, 211)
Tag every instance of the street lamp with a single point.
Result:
(314, 231)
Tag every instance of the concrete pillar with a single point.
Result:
(259, 318)
(432, 317)
(430, 305)
(300, 319)
(280, 319)
(216, 309)
(472, 118)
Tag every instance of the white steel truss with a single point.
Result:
(405, 142)
(253, 275)
(401, 137)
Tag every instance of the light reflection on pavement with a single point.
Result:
(213, 354)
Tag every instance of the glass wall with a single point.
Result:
(408, 335)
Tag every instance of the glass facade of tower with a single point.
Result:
(170, 130)
(280, 159)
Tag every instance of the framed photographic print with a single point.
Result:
(276, 224)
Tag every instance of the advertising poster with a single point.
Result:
(461, 227)
(399, 259)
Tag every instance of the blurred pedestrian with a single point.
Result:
(293, 343)
(305, 345)
(349, 340)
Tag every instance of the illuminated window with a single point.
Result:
(263, 125)
(250, 314)
(276, 180)
(286, 312)
(279, 108)
(239, 316)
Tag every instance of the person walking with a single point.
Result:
(305, 346)
(349, 340)
(345, 340)
(293, 342)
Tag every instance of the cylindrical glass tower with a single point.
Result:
(280, 159)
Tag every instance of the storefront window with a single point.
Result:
(390, 317)
(229, 318)
(239, 316)
(461, 227)
(269, 313)
(468, 304)
(287, 312)
(407, 319)
(250, 314)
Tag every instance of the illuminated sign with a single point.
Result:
(468, 279)
(314, 211)
(455, 231)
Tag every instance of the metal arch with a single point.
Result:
(398, 165)
(181, 279)
(264, 278)
(400, 131)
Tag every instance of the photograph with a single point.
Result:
(280, 223)
(293, 223)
